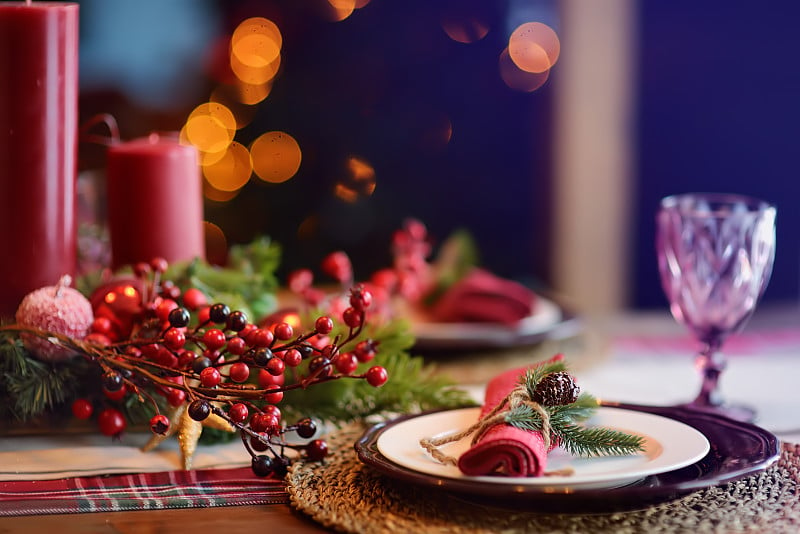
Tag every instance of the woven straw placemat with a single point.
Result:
(347, 496)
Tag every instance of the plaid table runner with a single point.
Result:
(147, 491)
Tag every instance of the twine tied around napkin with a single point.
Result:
(518, 396)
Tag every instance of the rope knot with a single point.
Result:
(496, 416)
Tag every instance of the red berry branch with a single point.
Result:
(203, 362)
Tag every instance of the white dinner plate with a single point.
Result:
(669, 445)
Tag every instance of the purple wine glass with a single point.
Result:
(715, 256)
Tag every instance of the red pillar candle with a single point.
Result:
(38, 146)
(155, 201)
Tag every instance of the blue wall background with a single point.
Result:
(719, 109)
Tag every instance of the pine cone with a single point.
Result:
(556, 389)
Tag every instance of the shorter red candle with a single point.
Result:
(155, 201)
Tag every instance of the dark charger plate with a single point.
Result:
(737, 450)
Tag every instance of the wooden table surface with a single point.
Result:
(272, 518)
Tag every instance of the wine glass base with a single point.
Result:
(737, 412)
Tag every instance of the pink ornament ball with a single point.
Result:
(59, 309)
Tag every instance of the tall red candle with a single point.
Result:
(155, 201)
(38, 146)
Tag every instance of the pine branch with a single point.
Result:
(29, 387)
(597, 441)
(576, 439)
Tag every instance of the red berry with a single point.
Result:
(346, 363)
(116, 395)
(271, 409)
(260, 337)
(159, 265)
(150, 350)
(300, 280)
(175, 397)
(102, 325)
(141, 269)
(292, 357)
(82, 409)
(360, 298)
(316, 450)
(283, 331)
(97, 339)
(186, 359)
(238, 413)
(194, 299)
(323, 325)
(376, 376)
(163, 309)
(352, 317)
(272, 394)
(239, 372)
(174, 339)
(204, 315)
(170, 290)
(210, 377)
(276, 366)
(214, 339)
(159, 424)
(265, 378)
(264, 422)
(237, 346)
(166, 358)
(337, 265)
(111, 422)
(365, 350)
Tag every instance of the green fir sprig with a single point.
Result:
(565, 421)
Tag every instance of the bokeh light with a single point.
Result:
(216, 244)
(215, 195)
(210, 127)
(359, 180)
(276, 157)
(255, 75)
(252, 94)
(341, 9)
(255, 51)
(232, 171)
(258, 27)
(518, 79)
(464, 28)
(534, 47)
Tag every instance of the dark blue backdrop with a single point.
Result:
(719, 109)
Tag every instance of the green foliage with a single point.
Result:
(30, 388)
(574, 438)
(248, 283)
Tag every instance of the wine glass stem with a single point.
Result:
(711, 363)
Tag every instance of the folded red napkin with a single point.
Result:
(480, 296)
(505, 449)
